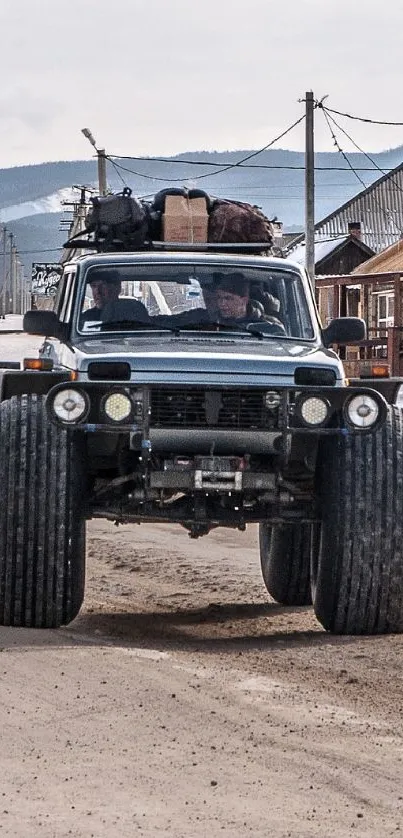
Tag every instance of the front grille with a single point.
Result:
(213, 408)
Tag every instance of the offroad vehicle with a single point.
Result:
(164, 408)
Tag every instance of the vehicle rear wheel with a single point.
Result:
(42, 517)
(285, 557)
(358, 578)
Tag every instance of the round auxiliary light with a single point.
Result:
(362, 411)
(272, 399)
(70, 405)
(117, 407)
(314, 411)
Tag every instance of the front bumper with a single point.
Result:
(225, 413)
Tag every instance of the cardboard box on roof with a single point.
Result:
(184, 219)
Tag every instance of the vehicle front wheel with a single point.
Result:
(42, 517)
(285, 558)
(357, 580)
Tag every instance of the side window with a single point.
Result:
(302, 323)
(59, 296)
(65, 297)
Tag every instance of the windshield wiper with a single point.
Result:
(257, 329)
(228, 326)
(260, 328)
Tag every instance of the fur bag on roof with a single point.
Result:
(233, 221)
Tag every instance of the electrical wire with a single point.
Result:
(368, 156)
(47, 250)
(359, 118)
(224, 168)
(382, 171)
(387, 213)
(231, 165)
(340, 150)
(117, 171)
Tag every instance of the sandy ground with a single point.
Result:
(183, 702)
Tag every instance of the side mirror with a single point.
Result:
(344, 330)
(44, 323)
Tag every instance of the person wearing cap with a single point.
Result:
(106, 287)
(233, 300)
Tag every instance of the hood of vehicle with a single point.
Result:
(208, 360)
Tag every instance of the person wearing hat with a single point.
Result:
(106, 287)
(234, 299)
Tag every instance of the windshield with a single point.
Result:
(184, 296)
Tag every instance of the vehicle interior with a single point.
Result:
(181, 296)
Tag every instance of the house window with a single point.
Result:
(385, 310)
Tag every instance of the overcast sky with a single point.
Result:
(152, 77)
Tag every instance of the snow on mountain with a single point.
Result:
(50, 203)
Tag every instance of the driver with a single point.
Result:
(232, 296)
(232, 301)
(106, 286)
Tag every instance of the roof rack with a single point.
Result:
(214, 246)
(117, 246)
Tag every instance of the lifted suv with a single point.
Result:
(199, 388)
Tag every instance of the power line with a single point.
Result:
(115, 166)
(371, 160)
(382, 171)
(388, 215)
(340, 150)
(26, 252)
(232, 165)
(224, 168)
(359, 118)
(277, 196)
(286, 185)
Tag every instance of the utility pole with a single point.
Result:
(80, 209)
(7, 270)
(309, 188)
(13, 260)
(4, 290)
(101, 155)
(20, 280)
(4, 276)
(101, 171)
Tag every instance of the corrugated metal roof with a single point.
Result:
(378, 208)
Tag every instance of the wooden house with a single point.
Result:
(339, 255)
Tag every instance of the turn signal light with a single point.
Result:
(44, 364)
(375, 370)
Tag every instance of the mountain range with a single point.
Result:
(32, 198)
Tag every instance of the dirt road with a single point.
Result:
(182, 702)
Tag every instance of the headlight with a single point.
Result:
(272, 399)
(362, 411)
(314, 410)
(70, 405)
(117, 407)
